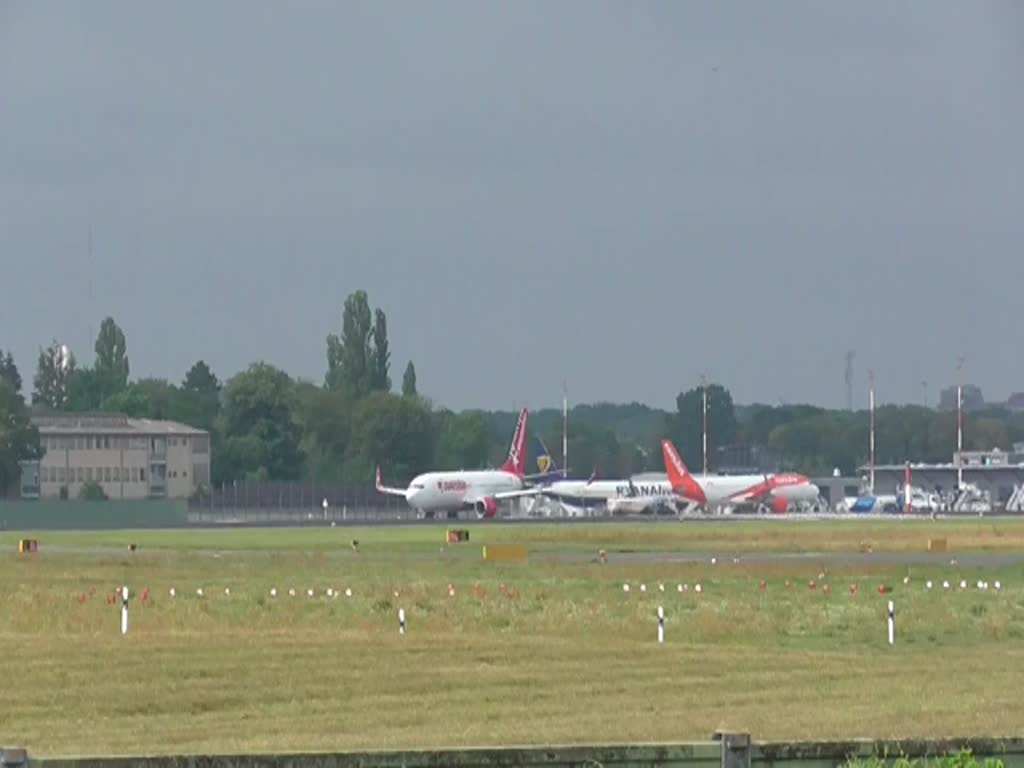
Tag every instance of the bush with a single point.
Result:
(92, 491)
(962, 759)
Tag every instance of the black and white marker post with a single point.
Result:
(124, 610)
(892, 624)
(401, 621)
(661, 624)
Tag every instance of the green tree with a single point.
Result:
(19, 440)
(380, 356)
(9, 371)
(201, 391)
(409, 380)
(686, 425)
(150, 399)
(349, 357)
(392, 432)
(86, 390)
(463, 440)
(324, 418)
(201, 380)
(111, 366)
(259, 432)
(54, 372)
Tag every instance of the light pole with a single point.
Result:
(871, 447)
(959, 423)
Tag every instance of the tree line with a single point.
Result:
(265, 424)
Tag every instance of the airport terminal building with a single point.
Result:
(127, 458)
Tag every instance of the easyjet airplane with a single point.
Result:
(479, 490)
(778, 491)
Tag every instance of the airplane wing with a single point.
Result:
(516, 494)
(753, 494)
(381, 488)
(502, 495)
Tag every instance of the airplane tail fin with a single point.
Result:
(674, 466)
(679, 476)
(545, 461)
(516, 463)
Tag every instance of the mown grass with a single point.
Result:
(550, 651)
(888, 535)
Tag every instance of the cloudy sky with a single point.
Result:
(621, 195)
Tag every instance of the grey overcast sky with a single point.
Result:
(619, 194)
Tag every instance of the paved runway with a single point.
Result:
(965, 560)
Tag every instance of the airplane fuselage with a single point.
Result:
(581, 493)
(727, 489)
(454, 491)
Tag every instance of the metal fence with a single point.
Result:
(257, 502)
(728, 751)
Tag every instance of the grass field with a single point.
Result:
(551, 651)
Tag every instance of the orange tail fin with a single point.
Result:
(679, 476)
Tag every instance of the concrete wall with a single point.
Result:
(88, 515)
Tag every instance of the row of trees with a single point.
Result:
(267, 425)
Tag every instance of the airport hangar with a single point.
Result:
(998, 472)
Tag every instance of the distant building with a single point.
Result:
(127, 458)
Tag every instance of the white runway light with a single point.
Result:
(348, 593)
(928, 584)
(625, 587)
(171, 592)
(945, 585)
(199, 592)
(273, 591)
(997, 585)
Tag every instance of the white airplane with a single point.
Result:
(632, 495)
(777, 491)
(478, 490)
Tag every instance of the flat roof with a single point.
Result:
(109, 424)
(950, 467)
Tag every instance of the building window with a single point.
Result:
(142, 474)
(106, 474)
(81, 474)
(88, 474)
(60, 474)
(117, 474)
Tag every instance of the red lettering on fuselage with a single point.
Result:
(452, 486)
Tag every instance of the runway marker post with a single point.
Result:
(661, 624)
(401, 621)
(124, 610)
(892, 624)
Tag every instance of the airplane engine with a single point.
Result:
(779, 505)
(486, 508)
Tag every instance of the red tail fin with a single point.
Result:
(516, 463)
(679, 476)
